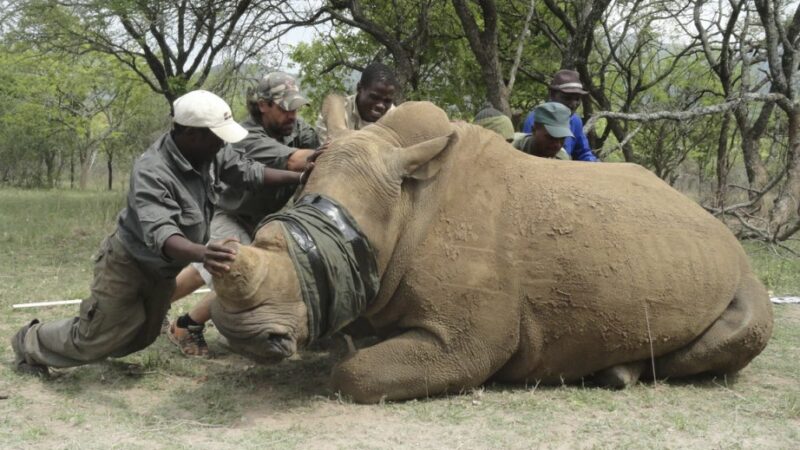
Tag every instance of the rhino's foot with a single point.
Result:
(621, 375)
(735, 338)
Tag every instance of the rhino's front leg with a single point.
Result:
(418, 363)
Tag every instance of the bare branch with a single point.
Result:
(523, 35)
(681, 115)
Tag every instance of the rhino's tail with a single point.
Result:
(738, 335)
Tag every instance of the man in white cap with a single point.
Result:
(566, 88)
(276, 138)
(164, 226)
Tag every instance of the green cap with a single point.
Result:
(555, 118)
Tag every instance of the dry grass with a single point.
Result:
(158, 399)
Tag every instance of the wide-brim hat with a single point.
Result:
(568, 81)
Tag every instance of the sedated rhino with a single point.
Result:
(493, 265)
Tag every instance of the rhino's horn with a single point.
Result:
(237, 289)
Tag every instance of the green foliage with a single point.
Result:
(444, 69)
(320, 72)
(59, 111)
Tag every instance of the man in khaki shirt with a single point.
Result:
(374, 97)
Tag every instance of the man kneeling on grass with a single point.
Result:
(161, 230)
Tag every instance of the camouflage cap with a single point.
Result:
(282, 89)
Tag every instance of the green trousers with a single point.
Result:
(122, 315)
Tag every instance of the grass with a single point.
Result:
(158, 399)
(777, 268)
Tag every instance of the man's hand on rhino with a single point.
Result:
(298, 159)
(218, 255)
(310, 162)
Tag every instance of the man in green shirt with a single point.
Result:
(277, 138)
(163, 227)
(541, 144)
(550, 127)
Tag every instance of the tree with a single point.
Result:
(629, 59)
(782, 40)
(402, 30)
(420, 38)
(732, 63)
(34, 148)
(172, 46)
(485, 45)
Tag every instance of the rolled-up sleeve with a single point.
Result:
(239, 171)
(258, 146)
(157, 210)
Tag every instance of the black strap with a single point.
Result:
(361, 248)
(318, 309)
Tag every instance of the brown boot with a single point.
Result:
(190, 340)
(21, 365)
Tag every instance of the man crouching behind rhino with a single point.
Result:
(491, 266)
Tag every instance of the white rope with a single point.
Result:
(776, 300)
(74, 302)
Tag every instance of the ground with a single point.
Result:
(158, 399)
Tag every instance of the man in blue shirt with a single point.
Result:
(567, 89)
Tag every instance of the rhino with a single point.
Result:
(475, 262)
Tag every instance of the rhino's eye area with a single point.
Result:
(281, 344)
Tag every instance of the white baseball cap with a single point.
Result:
(203, 109)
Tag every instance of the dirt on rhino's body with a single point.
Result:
(498, 265)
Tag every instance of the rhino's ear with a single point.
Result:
(418, 161)
(333, 114)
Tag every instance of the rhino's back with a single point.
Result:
(601, 259)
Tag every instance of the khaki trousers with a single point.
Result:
(122, 315)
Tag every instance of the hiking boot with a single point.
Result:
(190, 340)
(21, 365)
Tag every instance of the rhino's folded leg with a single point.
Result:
(416, 364)
(735, 338)
(621, 375)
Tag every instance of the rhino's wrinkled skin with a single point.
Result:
(498, 265)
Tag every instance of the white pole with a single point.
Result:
(74, 302)
(51, 303)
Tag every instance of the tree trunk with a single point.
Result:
(784, 219)
(110, 168)
(484, 45)
(722, 162)
(87, 160)
(754, 166)
(72, 169)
